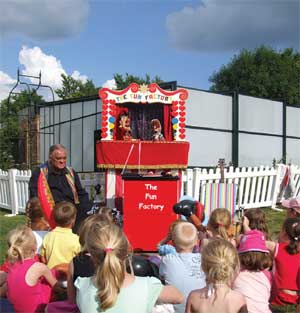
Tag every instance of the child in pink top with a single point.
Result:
(254, 280)
(255, 218)
(29, 282)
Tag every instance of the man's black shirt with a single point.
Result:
(61, 190)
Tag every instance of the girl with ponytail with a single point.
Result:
(286, 284)
(218, 226)
(29, 282)
(220, 264)
(112, 289)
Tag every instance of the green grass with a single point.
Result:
(274, 218)
(6, 224)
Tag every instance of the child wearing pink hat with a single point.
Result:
(293, 207)
(254, 279)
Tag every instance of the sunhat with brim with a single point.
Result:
(292, 203)
(253, 240)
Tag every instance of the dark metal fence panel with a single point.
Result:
(246, 131)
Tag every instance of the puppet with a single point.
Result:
(156, 130)
(124, 127)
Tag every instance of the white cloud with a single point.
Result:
(6, 84)
(218, 25)
(33, 61)
(110, 83)
(43, 19)
(76, 75)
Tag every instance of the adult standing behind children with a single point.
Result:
(63, 182)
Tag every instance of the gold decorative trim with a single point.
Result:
(121, 166)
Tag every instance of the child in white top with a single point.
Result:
(36, 221)
(220, 263)
(183, 269)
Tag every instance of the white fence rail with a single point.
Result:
(14, 190)
(257, 187)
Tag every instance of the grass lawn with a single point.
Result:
(6, 224)
(275, 219)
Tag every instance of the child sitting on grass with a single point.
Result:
(220, 264)
(218, 226)
(82, 265)
(36, 221)
(112, 289)
(29, 282)
(255, 219)
(286, 287)
(166, 246)
(183, 269)
(61, 245)
(254, 281)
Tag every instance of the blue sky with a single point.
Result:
(178, 40)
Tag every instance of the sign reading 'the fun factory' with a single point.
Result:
(147, 211)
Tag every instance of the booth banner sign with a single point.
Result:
(151, 93)
(148, 211)
(143, 94)
(142, 154)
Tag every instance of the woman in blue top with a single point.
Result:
(112, 289)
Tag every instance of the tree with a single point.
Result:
(9, 126)
(263, 72)
(128, 79)
(75, 88)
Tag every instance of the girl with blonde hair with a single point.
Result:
(183, 269)
(27, 277)
(36, 221)
(112, 289)
(219, 225)
(82, 264)
(220, 263)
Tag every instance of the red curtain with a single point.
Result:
(152, 112)
(167, 123)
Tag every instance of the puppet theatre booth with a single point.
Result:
(143, 150)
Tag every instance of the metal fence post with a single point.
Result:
(13, 190)
(235, 129)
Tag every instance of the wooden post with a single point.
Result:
(13, 190)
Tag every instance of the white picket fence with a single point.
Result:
(14, 191)
(256, 187)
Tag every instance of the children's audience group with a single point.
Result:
(203, 269)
